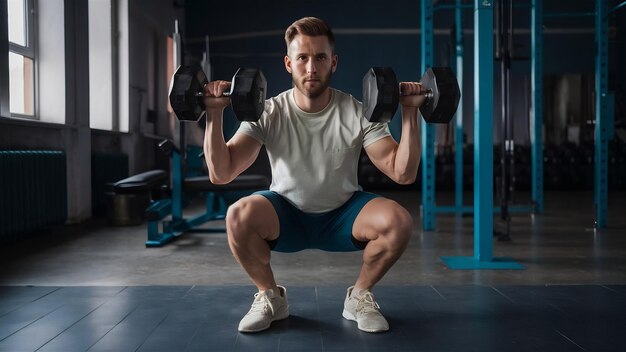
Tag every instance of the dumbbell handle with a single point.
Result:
(428, 94)
(224, 94)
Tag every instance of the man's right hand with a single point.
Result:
(213, 95)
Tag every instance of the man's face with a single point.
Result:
(311, 62)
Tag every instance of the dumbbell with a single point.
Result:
(247, 93)
(381, 94)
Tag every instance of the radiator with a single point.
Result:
(33, 191)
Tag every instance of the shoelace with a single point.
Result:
(366, 304)
(261, 305)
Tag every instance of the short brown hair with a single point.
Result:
(311, 26)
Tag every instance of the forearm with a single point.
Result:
(407, 158)
(216, 151)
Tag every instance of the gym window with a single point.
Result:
(22, 41)
(101, 69)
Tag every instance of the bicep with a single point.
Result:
(382, 153)
(243, 152)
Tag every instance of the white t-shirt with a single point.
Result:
(314, 156)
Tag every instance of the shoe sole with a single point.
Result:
(349, 316)
(283, 316)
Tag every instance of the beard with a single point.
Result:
(315, 89)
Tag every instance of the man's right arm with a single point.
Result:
(224, 160)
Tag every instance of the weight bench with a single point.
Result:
(168, 212)
(133, 194)
(145, 182)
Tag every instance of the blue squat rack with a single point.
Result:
(483, 208)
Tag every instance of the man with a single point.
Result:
(313, 136)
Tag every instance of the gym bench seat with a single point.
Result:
(143, 182)
(131, 196)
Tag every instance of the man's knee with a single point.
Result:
(398, 226)
(238, 216)
(253, 214)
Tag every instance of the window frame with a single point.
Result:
(28, 51)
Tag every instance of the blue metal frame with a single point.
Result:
(177, 186)
(602, 123)
(483, 131)
(428, 130)
(458, 128)
(536, 121)
(215, 206)
(610, 115)
(458, 207)
(429, 207)
(483, 141)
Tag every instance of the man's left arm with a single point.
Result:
(400, 161)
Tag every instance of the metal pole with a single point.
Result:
(483, 130)
(206, 59)
(177, 188)
(178, 160)
(483, 148)
(503, 55)
(536, 119)
(458, 130)
(428, 130)
(601, 132)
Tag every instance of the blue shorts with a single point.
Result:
(331, 231)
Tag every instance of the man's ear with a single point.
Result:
(288, 63)
(334, 63)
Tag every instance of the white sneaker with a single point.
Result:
(365, 311)
(268, 306)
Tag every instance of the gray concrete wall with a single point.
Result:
(149, 24)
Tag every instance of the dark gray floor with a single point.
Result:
(98, 287)
(422, 318)
(558, 247)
